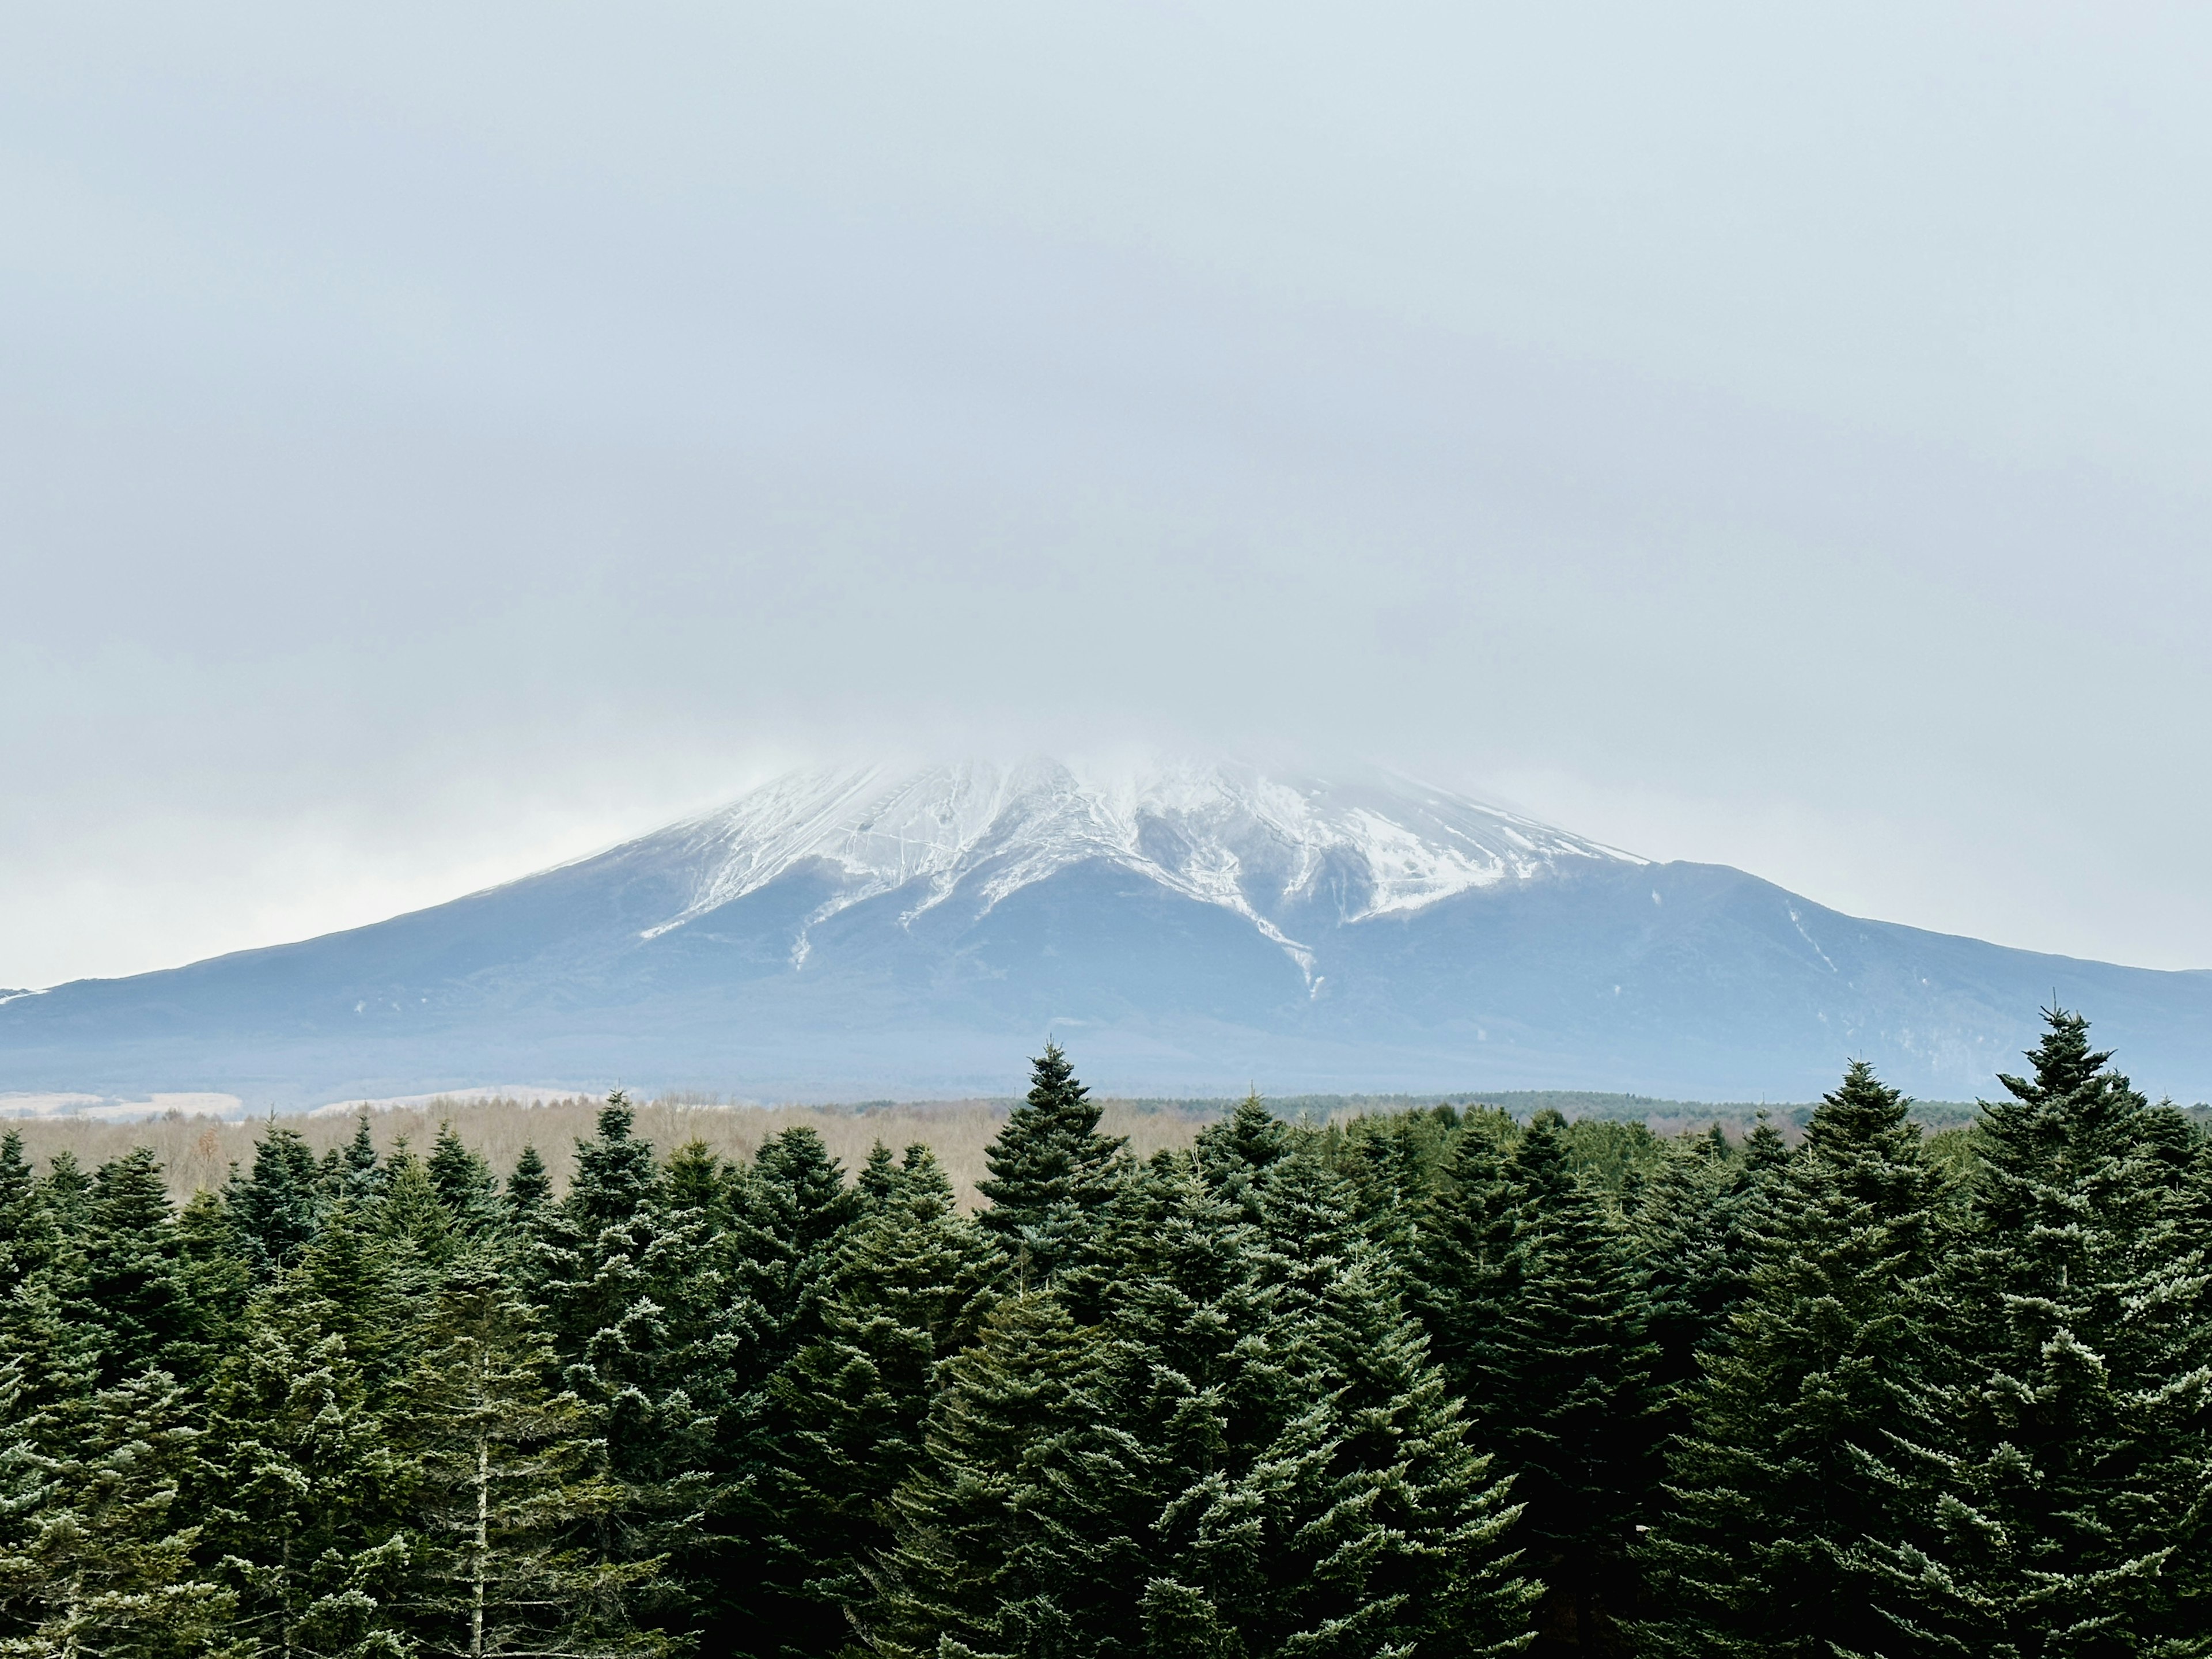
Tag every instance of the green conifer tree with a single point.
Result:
(65, 1191)
(529, 1190)
(1052, 1173)
(1559, 1386)
(1234, 1152)
(978, 1561)
(131, 1290)
(910, 1285)
(275, 1212)
(465, 1185)
(1760, 1552)
(304, 1498)
(2058, 1461)
(505, 1481)
(94, 1560)
(29, 1236)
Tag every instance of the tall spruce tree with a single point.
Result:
(1052, 1173)
(94, 1559)
(2059, 1460)
(276, 1211)
(304, 1499)
(912, 1281)
(529, 1190)
(980, 1558)
(1762, 1551)
(635, 1311)
(1560, 1386)
(465, 1183)
(132, 1289)
(504, 1482)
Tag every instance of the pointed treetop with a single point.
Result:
(529, 1190)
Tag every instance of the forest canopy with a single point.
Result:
(1434, 1382)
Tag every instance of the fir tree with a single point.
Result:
(353, 1174)
(1560, 1387)
(2061, 1452)
(636, 1313)
(1381, 1528)
(1234, 1152)
(28, 1237)
(133, 1290)
(529, 1190)
(65, 1192)
(979, 1558)
(465, 1185)
(304, 1496)
(1051, 1172)
(910, 1285)
(96, 1562)
(1773, 1495)
(276, 1211)
(504, 1479)
(412, 1215)
(1687, 1244)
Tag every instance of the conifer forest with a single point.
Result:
(1425, 1383)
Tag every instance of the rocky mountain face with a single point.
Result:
(1187, 929)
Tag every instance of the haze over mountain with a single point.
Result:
(1184, 929)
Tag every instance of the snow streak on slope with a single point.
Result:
(1226, 836)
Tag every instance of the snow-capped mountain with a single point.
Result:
(1277, 852)
(1182, 928)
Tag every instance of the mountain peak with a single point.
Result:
(1280, 852)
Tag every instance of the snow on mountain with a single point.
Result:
(1270, 850)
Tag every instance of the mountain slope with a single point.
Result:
(1190, 930)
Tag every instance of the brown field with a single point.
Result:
(197, 1152)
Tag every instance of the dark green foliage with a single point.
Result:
(29, 1236)
(1772, 1489)
(303, 1496)
(1052, 1173)
(910, 1285)
(132, 1289)
(277, 1210)
(95, 1559)
(2059, 1462)
(464, 1184)
(1385, 1389)
(1234, 1152)
(508, 1496)
(1548, 1345)
(529, 1190)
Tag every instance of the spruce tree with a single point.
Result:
(1234, 1152)
(303, 1496)
(1381, 1528)
(28, 1237)
(1560, 1388)
(910, 1285)
(65, 1191)
(132, 1289)
(276, 1210)
(410, 1214)
(636, 1313)
(1688, 1242)
(508, 1488)
(979, 1559)
(94, 1559)
(1051, 1172)
(1773, 1491)
(529, 1190)
(465, 1185)
(2059, 1460)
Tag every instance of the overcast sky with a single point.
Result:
(436, 441)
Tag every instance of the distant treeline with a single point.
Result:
(1425, 1381)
